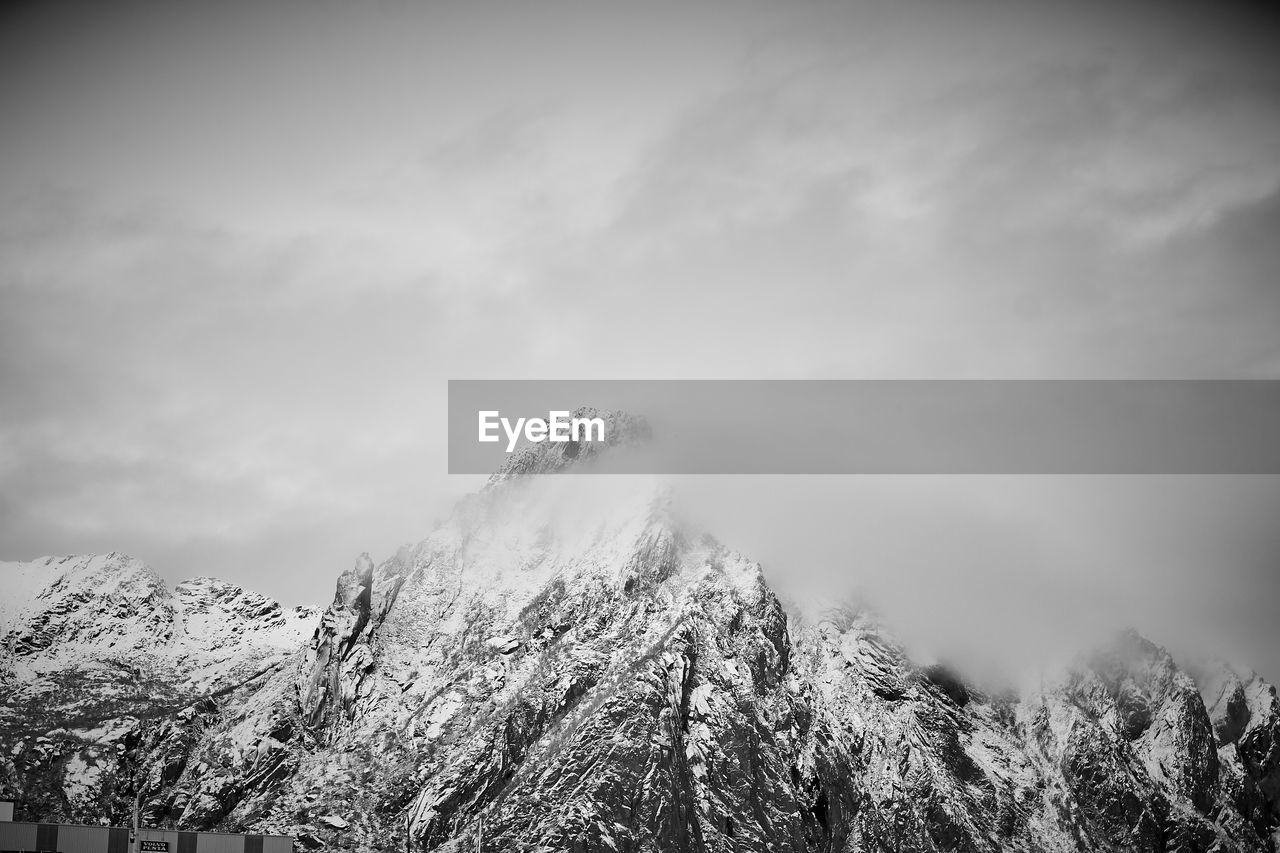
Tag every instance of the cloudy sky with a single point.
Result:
(244, 245)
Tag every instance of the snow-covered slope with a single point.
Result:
(563, 665)
(90, 645)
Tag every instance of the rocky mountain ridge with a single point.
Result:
(564, 666)
(95, 645)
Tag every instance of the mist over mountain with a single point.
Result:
(566, 664)
(247, 248)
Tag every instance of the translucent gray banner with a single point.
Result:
(879, 427)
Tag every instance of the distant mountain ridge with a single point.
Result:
(114, 611)
(90, 645)
(563, 665)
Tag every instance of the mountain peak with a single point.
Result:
(621, 429)
(562, 664)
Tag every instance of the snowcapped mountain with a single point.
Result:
(93, 645)
(113, 613)
(563, 665)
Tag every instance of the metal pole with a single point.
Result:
(135, 843)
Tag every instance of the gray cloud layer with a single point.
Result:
(243, 246)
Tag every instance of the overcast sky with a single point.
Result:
(244, 245)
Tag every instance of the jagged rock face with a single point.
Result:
(322, 683)
(553, 671)
(563, 666)
(1245, 713)
(98, 657)
(112, 623)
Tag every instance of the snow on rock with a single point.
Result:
(503, 645)
(97, 647)
(564, 665)
(84, 634)
(82, 779)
